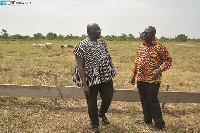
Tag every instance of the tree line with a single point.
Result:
(123, 37)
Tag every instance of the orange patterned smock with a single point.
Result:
(149, 58)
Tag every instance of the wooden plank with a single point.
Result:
(126, 95)
(179, 97)
(71, 92)
(119, 94)
(29, 91)
(133, 95)
(75, 92)
(163, 96)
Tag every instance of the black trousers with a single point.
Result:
(106, 94)
(150, 103)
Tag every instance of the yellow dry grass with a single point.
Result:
(23, 65)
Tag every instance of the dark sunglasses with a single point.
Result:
(97, 29)
(145, 33)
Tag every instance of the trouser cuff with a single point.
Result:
(95, 126)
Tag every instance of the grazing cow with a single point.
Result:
(66, 46)
(35, 45)
(41, 45)
(49, 45)
(45, 45)
(70, 46)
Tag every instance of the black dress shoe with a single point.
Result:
(105, 120)
(96, 130)
(142, 122)
(155, 129)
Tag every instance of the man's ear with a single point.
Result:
(90, 31)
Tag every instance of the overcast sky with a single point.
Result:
(170, 17)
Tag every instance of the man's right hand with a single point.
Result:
(133, 81)
(86, 90)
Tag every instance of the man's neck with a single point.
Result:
(149, 42)
(93, 39)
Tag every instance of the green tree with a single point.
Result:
(4, 35)
(51, 36)
(69, 37)
(141, 36)
(60, 37)
(164, 39)
(114, 38)
(131, 37)
(181, 38)
(84, 36)
(108, 38)
(38, 36)
(123, 37)
(15, 37)
(25, 37)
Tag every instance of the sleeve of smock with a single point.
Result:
(79, 51)
(134, 69)
(167, 60)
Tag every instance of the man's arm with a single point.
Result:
(80, 64)
(167, 62)
(134, 70)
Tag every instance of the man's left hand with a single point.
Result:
(156, 73)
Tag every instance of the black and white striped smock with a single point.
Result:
(98, 64)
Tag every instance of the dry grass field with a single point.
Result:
(21, 64)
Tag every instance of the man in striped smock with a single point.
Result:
(152, 59)
(94, 72)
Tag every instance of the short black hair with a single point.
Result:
(153, 29)
(90, 26)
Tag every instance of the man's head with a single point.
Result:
(93, 31)
(149, 34)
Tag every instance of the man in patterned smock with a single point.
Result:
(94, 72)
(152, 59)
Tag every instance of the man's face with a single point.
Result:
(148, 35)
(96, 31)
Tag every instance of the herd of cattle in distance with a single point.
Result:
(50, 45)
